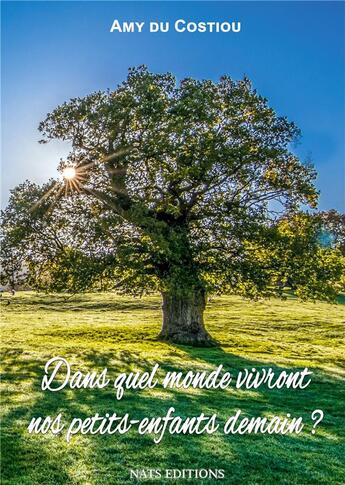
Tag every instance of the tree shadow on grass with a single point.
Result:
(248, 459)
(84, 303)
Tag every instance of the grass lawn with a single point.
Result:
(95, 331)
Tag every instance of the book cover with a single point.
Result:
(172, 242)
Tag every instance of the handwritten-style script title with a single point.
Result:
(59, 375)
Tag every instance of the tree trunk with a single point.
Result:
(183, 319)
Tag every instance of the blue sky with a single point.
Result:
(292, 51)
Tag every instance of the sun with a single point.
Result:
(69, 173)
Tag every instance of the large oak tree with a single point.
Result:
(183, 181)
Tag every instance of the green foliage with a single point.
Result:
(333, 225)
(290, 256)
(57, 243)
(174, 190)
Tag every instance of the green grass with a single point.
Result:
(96, 331)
